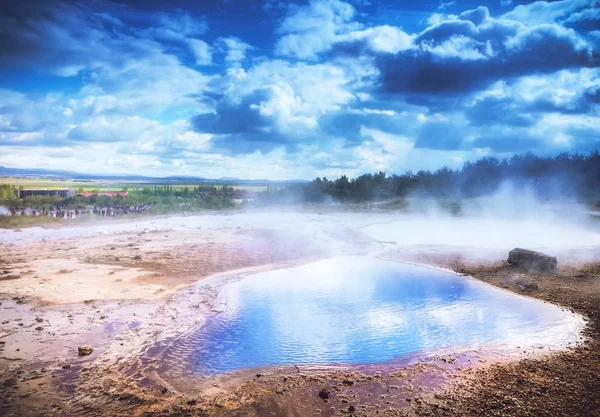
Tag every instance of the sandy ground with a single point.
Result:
(128, 288)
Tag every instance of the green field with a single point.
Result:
(117, 185)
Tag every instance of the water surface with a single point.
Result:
(361, 310)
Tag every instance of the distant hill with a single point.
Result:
(54, 173)
(78, 176)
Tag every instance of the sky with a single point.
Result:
(294, 89)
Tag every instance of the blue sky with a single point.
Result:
(283, 90)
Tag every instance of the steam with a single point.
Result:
(514, 216)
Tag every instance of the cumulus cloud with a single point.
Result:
(308, 31)
(458, 56)
(319, 85)
(274, 104)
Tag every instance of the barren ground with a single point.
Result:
(127, 288)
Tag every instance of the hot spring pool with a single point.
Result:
(362, 310)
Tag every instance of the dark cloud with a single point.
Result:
(233, 117)
(469, 53)
(542, 49)
(593, 94)
(69, 37)
(63, 37)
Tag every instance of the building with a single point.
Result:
(59, 192)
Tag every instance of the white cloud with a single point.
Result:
(201, 50)
(459, 46)
(235, 49)
(540, 12)
(312, 29)
(388, 39)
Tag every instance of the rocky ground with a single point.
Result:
(122, 291)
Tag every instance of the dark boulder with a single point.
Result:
(532, 260)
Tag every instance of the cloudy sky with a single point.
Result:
(283, 90)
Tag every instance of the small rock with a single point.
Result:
(192, 402)
(324, 393)
(85, 350)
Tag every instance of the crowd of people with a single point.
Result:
(72, 213)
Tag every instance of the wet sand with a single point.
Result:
(130, 288)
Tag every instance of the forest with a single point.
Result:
(566, 176)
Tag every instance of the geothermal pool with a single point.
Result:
(362, 310)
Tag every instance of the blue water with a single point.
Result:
(361, 310)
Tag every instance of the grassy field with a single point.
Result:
(114, 185)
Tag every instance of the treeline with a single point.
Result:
(562, 176)
(8, 192)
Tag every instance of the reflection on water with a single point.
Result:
(361, 310)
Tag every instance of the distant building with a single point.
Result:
(62, 192)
